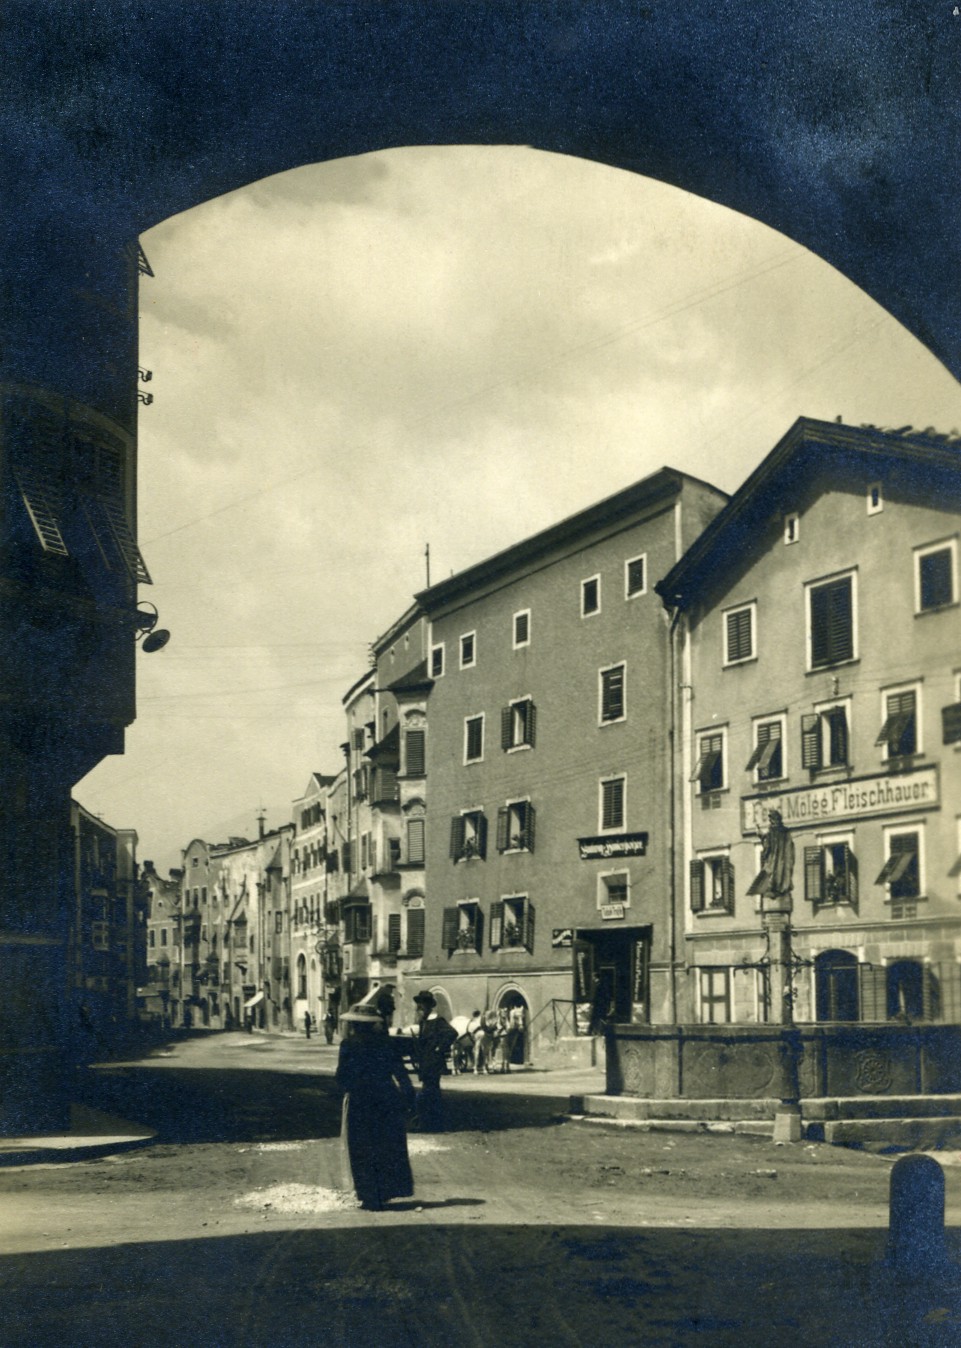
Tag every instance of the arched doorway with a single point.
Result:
(513, 1001)
(836, 986)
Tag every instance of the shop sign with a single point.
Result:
(860, 798)
(562, 938)
(613, 845)
(611, 912)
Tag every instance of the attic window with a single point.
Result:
(875, 499)
(792, 527)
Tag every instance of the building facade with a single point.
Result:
(163, 934)
(818, 648)
(548, 827)
(314, 933)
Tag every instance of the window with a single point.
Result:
(468, 836)
(462, 927)
(357, 923)
(474, 739)
(825, 737)
(612, 694)
(912, 991)
(393, 933)
(899, 731)
(935, 575)
(739, 641)
(635, 576)
(522, 628)
(714, 996)
(468, 650)
(832, 615)
(902, 870)
(512, 924)
(518, 724)
(612, 810)
(437, 661)
(415, 842)
(414, 755)
(709, 769)
(590, 596)
(831, 871)
(767, 762)
(415, 931)
(361, 782)
(152, 939)
(712, 883)
(163, 935)
(515, 827)
(614, 888)
(302, 977)
(792, 527)
(875, 499)
(278, 923)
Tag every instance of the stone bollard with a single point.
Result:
(916, 1245)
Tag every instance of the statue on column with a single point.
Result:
(775, 880)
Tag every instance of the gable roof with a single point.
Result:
(927, 464)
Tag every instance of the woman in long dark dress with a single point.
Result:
(378, 1093)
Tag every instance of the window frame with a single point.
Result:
(628, 563)
(468, 835)
(754, 763)
(949, 545)
(749, 607)
(436, 648)
(898, 690)
(792, 527)
(594, 580)
(523, 923)
(822, 712)
(874, 489)
(608, 780)
(603, 891)
(713, 972)
(526, 831)
(521, 613)
(471, 637)
(715, 869)
(711, 732)
(476, 718)
(603, 674)
(812, 587)
(509, 723)
(825, 843)
(900, 830)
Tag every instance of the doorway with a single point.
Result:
(611, 977)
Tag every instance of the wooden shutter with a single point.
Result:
(451, 926)
(739, 646)
(727, 885)
(937, 583)
(697, 886)
(414, 744)
(837, 719)
(811, 741)
(415, 931)
(457, 830)
(503, 829)
(507, 724)
(612, 693)
(393, 933)
(814, 874)
(527, 837)
(612, 803)
(951, 723)
(477, 928)
(481, 825)
(850, 875)
(496, 924)
(529, 927)
(415, 841)
(531, 723)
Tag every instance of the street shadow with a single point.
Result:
(399, 1282)
(191, 1105)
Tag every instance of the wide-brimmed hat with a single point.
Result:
(363, 1014)
(425, 999)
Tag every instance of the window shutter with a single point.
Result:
(415, 842)
(393, 933)
(456, 837)
(850, 875)
(496, 924)
(528, 837)
(612, 803)
(477, 928)
(529, 927)
(503, 827)
(697, 886)
(414, 742)
(450, 927)
(481, 835)
(507, 722)
(739, 635)
(951, 723)
(415, 931)
(612, 694)
(727, 885)
(837, 719)
(811, 741)
(936, 579)
(839, 620)
(531, 723)
(814, 874)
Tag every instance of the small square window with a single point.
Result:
(590, 596)
(739, 634)
(437, 661)
(522, 628)
(614, 888)
(635, 576)
(468, 650)
(473, 739)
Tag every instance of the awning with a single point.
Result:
(252, 1001)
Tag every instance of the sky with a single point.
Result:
(452, 346)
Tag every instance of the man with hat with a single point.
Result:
(435, 1036)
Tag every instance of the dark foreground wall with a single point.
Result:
(697, 1062)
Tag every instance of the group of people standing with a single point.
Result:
(490, 1040)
